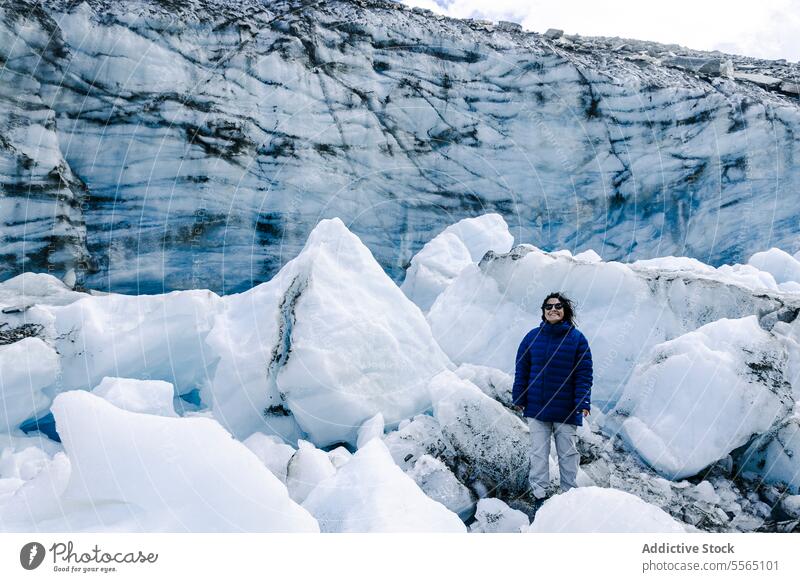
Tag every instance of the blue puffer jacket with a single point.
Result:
(553, 380)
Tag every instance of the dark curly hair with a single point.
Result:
(569, 310)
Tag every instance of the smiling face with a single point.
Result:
(553, 310)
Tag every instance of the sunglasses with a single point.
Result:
(549, 306)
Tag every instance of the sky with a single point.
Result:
(768, 29)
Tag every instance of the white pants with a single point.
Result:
(566, 436)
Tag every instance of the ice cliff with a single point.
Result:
(157, 145)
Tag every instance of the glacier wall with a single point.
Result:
(159, 145)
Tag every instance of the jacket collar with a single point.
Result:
(559, 328)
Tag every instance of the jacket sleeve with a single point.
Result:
(583, 375)
(519, 393)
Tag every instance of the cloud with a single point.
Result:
(767, 29)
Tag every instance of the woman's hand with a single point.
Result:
(585, 413)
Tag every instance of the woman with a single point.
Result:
(552, 388)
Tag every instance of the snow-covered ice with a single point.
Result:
(282, 343)
(27, 367)
(703, 394)
(272, 451)
(339, 456)
(791, 505)
(420, 436)
(494, 516)
(440, 484)
(29, 289)
(597, 509)
(307, 468)
(148, 396)
(491, 442)
(155, 473)
(371, 428)
(38, 496)
(775, 455)
(372, 494)
(781, 265)
(494, 383)
(704, 491)
(442, 258)
(156, 337)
